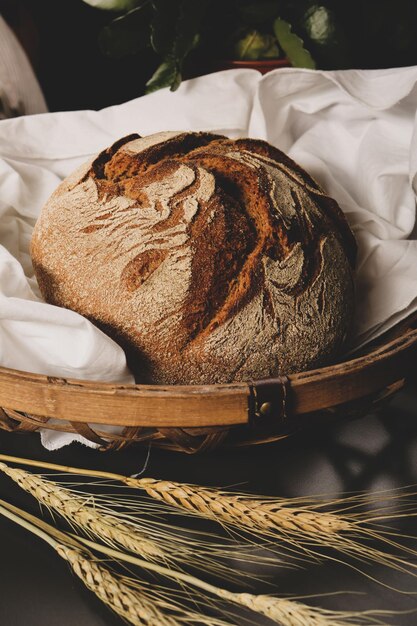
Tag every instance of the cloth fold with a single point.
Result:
(354, 131)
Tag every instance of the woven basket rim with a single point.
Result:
(197, 418)
(406, 336)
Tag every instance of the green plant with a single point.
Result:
(239, 29)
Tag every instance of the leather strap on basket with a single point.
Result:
(268, 404)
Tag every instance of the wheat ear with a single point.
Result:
(241, 511)
(303, 528)
(153, 540)
(139, 610)
(282, 611)
(127, 597)
(74, 509)
(135, 608)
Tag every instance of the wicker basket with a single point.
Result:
(198, 418)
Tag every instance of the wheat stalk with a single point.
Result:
(138, 609)
(242, 511)
(292, 613)
(280, 610)
(76, 511)
(88, 513)
(303, 529)
(118, 593)
(135, 608)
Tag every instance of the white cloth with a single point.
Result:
(354, 131)
(19, 90)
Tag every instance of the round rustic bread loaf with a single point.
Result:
(209, 260)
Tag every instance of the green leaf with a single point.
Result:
(114, 5)
(256, 46)
(168, 74)
(292, 45)
(128, 34)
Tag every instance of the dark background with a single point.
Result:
(61, 40)
(61, 36)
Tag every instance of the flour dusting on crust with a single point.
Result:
(209, 260)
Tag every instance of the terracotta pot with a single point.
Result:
(204, 66)
(263, 66)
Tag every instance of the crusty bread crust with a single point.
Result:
(210, 260)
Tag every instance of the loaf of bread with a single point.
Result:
(209, 260)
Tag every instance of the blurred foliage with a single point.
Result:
(255, 46)
(329, 34)
(239, 29)
(75, 73)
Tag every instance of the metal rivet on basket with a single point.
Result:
(265, 409)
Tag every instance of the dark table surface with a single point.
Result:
(375, 452)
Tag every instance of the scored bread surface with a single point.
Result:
(209, 260)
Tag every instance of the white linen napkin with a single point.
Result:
(354, 131)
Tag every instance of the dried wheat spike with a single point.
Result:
(292, 613)
(242, 511)
(133, 607)
(76, 511)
